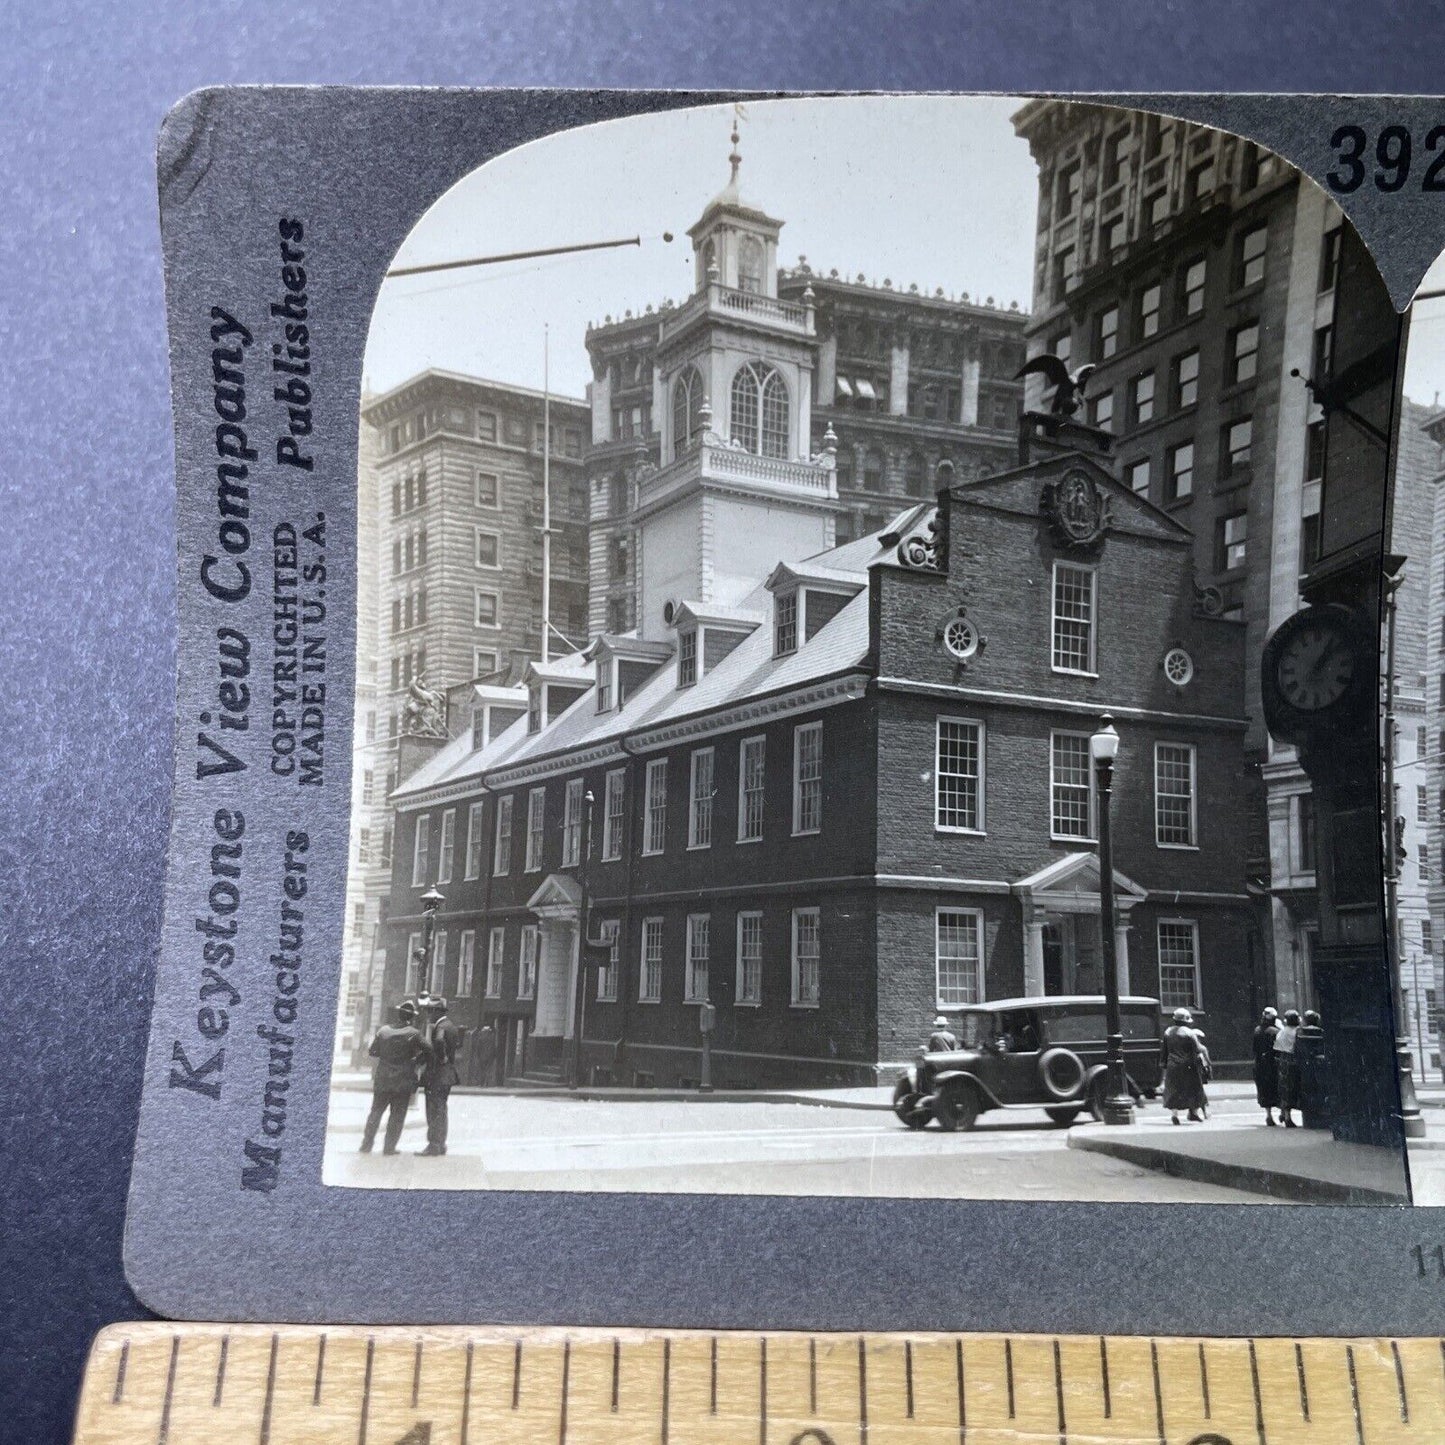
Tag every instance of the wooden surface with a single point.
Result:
(182, 1384)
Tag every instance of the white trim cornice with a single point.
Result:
(1058, 704)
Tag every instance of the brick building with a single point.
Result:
(903, 380)
(1197, 271)
(829, 788)
(449, 591)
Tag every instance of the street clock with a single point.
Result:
(1317, 672)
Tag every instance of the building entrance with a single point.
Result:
(1073, 957)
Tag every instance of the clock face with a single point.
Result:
(1315, 667)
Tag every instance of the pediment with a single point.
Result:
(1073, 875)
(557, 893)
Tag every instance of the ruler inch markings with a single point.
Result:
(183, 1384)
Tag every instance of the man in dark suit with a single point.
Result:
(397, 1048)
(439, 1072)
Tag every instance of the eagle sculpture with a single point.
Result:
(1068, 386)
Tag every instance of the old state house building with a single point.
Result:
(834, 790)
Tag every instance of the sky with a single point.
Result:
(934, 190)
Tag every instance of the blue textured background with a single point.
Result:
(86, 555)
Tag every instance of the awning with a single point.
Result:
(865, 389)
(843, 385)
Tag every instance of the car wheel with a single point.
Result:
(956, 1106)
(907, 1105)
(1064, 1117)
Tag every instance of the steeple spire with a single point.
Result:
(735, 158)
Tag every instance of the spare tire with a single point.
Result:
(1061, 1072)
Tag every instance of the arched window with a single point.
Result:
(686, 410)
(760, 410)
(750, 265)
(709, 260)
(873, 471)
(914, 474)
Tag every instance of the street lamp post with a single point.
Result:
(431, 901)
(1103, 749)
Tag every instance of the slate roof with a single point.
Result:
(749, 670)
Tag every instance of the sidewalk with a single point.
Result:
(1300, 1165)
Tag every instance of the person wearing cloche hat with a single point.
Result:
(1266, 1069)
(1184, 1068)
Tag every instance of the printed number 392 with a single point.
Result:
(1392, 148)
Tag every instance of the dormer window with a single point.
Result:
(534, 709)
(687, 658)
(604, 684)
(479, 727)
(785, 624)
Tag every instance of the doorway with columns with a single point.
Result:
(1063, 952)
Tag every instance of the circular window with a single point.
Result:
(960, 637)
(1178, 666)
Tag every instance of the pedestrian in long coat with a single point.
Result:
(398, 1049)
(439, 1074)
(1185, 1065)
(1266, 1070)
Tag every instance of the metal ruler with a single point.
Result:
(163, 1384)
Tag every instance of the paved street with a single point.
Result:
(503, 1141)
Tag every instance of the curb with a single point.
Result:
(641, 1096)
(1275, 1183)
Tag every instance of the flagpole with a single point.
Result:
(546, 500)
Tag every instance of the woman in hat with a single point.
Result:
(1266, 1071)
(1184, 1068)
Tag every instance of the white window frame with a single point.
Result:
(421, 851)
(610, 972)
(1192, 846)
(938, 916)
(701, 802)
(572, 823)
(795, 623)
(699, 949)
(651, 928)
(745, 997)
(654, 808)
(1054, 619)
(502, 837)
(496, 503)
(478, 653)
(466, 963)
(743, 747)
(496, 958)
(1092, 835)
(475, 843)
(529, 951)
(1197, 1002)
(447, 853)
(536, 829)
(799, 781)
(413, 975)
(798, 1001)
(606, 683)
(437, 971)
(613, 822)
(496, 623)
(478, 534)
(687, 657)
(977, 829)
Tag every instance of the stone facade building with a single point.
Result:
(1197, 272)
(449, 592)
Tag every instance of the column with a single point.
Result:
(1121, 956)
(1034, 959)
(898, 376)
(827, 369)
(969, 413)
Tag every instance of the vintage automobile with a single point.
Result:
(1027, 1053)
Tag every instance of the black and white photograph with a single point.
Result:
(884, 625)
